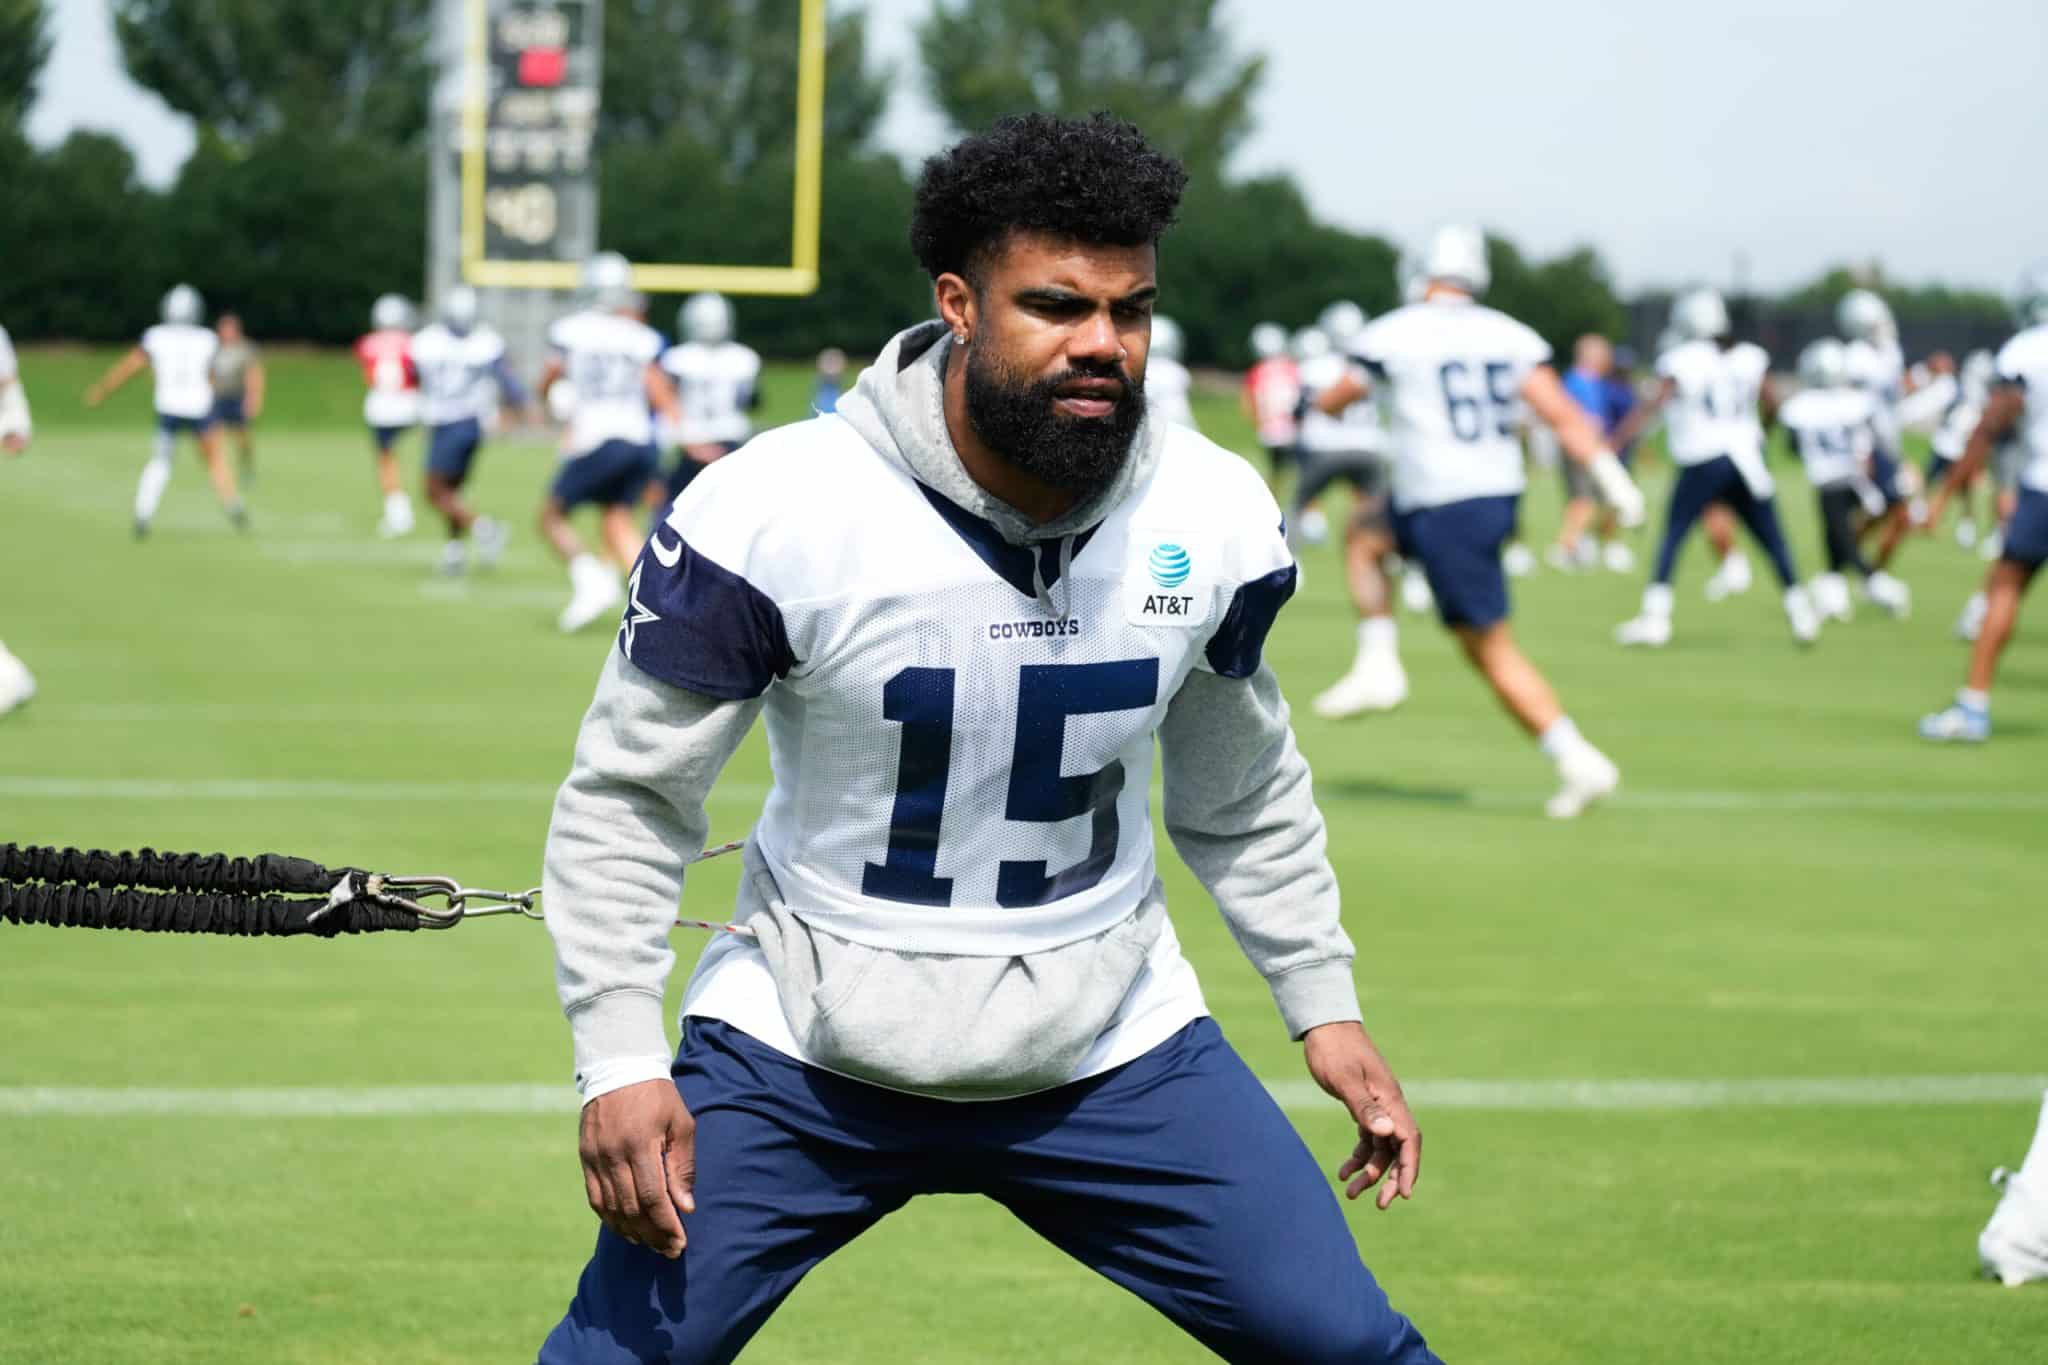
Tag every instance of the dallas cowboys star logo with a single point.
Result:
(637, 614)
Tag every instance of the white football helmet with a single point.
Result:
(705, 318)
(1863, 316)
(183, 304)
(1342, 321)
(2030, 300)
(1979, 369)
(459, 309)
(608, 280)
(1457, 257)
(1309, 343)
(1699, 315)
(390, 312)
(1824, 364)
(1167, 341)
(1269, 339)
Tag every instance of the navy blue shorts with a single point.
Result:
(1884, 472)
(386, 437)
(451, 446)
(615, 474)
(228, 412)
(1458, 545)
(185, 426)
(2026, 536)
(687, 469)
(1175, 1176)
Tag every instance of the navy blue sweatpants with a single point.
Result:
(1176, 1176)
(1718, 480)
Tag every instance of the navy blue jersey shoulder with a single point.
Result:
(1239, 642)
(700, 626)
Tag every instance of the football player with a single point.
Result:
(1167, 381)
(237, 377)
(17, 684)
(1350, 445)
(1833, 427)
(1877, 365)
(1710, 392)
(1594, 386)
(2018, 402)
(1271, 396)
(179, 352)
(391, 403)
(718, 383)
(612, 358)
(969, 605)
(1455, 377)
(463, 373)
(1956, 403)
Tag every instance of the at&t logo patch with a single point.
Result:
(1164, 584)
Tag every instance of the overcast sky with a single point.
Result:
(1675, 138)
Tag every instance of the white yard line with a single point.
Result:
(53, 788)
(406, 1101)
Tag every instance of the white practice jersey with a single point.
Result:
(181, 361)
(1958, 420)
(1358, 430)
(1831, 429)
(1449, 373)
(1168, 386)
(1712, 411)
(606, 355)
(2024, 361)
(715, 386)
(1879, 369)
(457, 372)
(10, 369)
(960, 728)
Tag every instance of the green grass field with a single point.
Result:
(1789, 886)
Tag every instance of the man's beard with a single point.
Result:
(1017, 419)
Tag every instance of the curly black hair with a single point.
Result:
(1091, 180)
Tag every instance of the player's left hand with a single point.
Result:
(1345, 1063)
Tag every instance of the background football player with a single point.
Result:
(718, 386)
(391, 403)
(464, 380)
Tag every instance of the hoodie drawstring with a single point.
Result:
(1064, 608)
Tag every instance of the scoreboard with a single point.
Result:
(526, 215)
(540, 126)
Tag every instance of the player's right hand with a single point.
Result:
(639, 1150)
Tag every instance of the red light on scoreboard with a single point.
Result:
(543, 66)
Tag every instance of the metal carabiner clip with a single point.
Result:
(459, 902)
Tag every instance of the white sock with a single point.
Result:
(156, 477)
(585, 568)
(397, 505)
(1974, 699)
(1657, 600)
(1377, 636)
(1561, 740)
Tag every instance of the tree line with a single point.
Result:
(306, 195)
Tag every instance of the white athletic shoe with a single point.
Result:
(1618, 557)
(1830, 594)
(490, 536)
(1972, 619)
(1644, 631)
(1801, 616)
(17, 684)
(1379, 684)
(454, 559)
(1966, 534)
(1991, 546)
(592, 598)
(1586, 776)
(1315, 527)
(397, 519)
(2013, 1247)
(1518, 560)
(1732, 579)
(1558, 558)
(1415, 594)
(1889, 593)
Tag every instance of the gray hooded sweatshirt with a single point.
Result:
(1238, 807)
